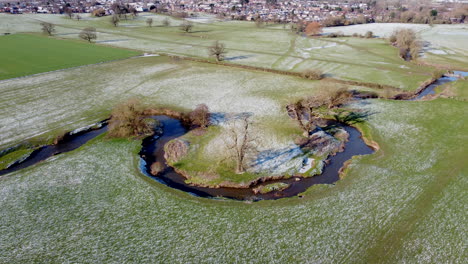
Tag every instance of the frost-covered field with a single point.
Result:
(46, 104)
(445, 44)
(272, 47)
(405, 203)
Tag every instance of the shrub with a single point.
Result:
(156, 168)
(369, 34)
(437, 74)
(115, 20)
(200, 116)
(186, 26)
(175, 150)
(312, 74)
(313, 28)
(128, 121)
(149, 22)
(166, 22)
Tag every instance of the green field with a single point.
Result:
(403, 204)
(20, 58)
(406, 203)
(367, 60)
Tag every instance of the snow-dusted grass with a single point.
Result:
(447, 42)
(405, 203)
(270, 47)
(8, 159)
(48, 104)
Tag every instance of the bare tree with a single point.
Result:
(313, 28)
(166, 22)
(115, 20)
(200, 116)
(313, 74)
(186, 26)
(335, 95)
(149, 22)
(259, 22)
(305, 112)
(240, 142)
(48, 28)
(88, 34)
(217, 50)
(69, 11)
(133, 11)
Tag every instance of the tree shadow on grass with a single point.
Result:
(218, 118)
(271, 160)
(238, 57)
(353, 117)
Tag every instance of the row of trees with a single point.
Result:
(89, 34)
(408, 43)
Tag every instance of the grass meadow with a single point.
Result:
(406, 203)
(368, 60)
(20, 58)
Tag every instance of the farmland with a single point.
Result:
(271, 47)
(37, 58)
(404, 203)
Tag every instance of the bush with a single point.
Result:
(312, 74)
(157, 168)
(166, 22)
(200, 116)
(175, 150)
(369, 34)
(186, 26)
(392, 38)
(437, 74)
(334, 95)
(128, 121)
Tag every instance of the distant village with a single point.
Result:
(328, 13)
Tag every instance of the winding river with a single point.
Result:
(153, 150)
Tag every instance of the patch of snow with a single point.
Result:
(436, 51)
(322, 47)
(307, 165)
(278, 161)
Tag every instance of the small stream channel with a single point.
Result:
(430, 90)
(68, 143)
